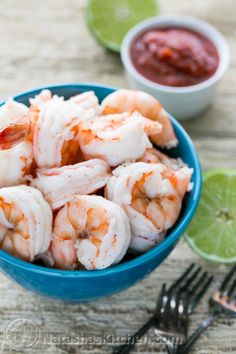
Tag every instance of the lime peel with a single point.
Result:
(110, 20)
(212, 233)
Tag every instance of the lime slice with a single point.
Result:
(110, 20)
(212, 233)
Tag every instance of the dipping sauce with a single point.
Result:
(174, 56)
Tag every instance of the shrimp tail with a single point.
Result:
(14, 133)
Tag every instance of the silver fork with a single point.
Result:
(176, 304)
(193, 284)
(222, 302)
(171, 322)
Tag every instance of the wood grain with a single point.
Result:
(45, 42)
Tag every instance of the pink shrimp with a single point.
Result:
(59, 185)
(51, 125)
(25, 222)
(16, 162)
(89, 231)
(153, 155)
(129, 101)
(151, 195)
(116, 138)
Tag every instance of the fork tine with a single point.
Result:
(182, 277)
(160, 298)
(173, 306)
(183, 313)
(190, 280)
(227, 279)
(186, 315)
(200, 293)
(167, 310)
(160, 312)
(194, 283)
(193, 288)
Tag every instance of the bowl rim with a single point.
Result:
(188, 22)
(140, 259)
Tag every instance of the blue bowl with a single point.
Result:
(87, 285)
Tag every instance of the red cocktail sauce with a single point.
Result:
(174, 56)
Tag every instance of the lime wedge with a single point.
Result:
(110, 20)
(212, 232)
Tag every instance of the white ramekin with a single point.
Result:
(182, 102)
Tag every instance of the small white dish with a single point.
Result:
(182, 102)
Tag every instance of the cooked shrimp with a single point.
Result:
(10, 110)
(53, 131)
(153, 155)
(90, 231)
(87, 100)
(60, 184)
(130, 101)
(25, 222)
(16, 132)
(37, 101)
(116, 138)
(151, 195)
(12, 117)
(15, 163)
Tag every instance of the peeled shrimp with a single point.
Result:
(15, 163)
(60, 184)
(130, 101)
(53, 131)
(151, 195)
(25, 222)
(37, 101)
(10, 111)
(87, 100)
(153, 155)
(116, 138)
(89, 231)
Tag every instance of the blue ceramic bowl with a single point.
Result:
(87, 285)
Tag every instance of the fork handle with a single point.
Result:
(125, 348)
(186, 346)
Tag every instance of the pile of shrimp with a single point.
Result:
(82, 183)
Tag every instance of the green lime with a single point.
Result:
(212, 232)
(110, 20)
